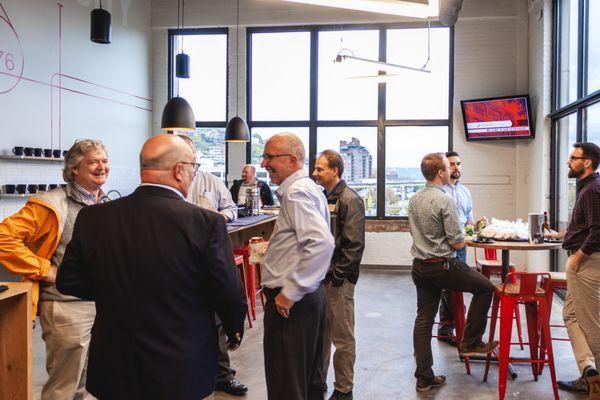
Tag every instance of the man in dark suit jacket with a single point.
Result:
(158, 269)
(238, 189)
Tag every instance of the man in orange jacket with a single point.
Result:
(32, 244)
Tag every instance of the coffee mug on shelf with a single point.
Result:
(47, 152)
(56, 153)
(42, 187)
(63, 185)
(28, 151)
(52, 186)
(37, 151)
(64, 153)
(21, 188)
(32, 188)
(18, 150)
(10, 189)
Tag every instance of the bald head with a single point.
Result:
(162, 152)
(167, 160)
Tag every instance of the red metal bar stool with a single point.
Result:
(506, 296)
(558, 280)
(458, 310)
(239, 262)
(489, 266)
(252, 285)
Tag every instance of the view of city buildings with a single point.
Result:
(359, 171)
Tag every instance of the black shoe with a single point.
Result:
(446, 337)
(336, 395)
(577, 385)
(423, 386)
(478, 349)
(592, 378)
(232, 387)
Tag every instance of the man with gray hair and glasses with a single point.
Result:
(437, 234)
(32, 244)
(294, 267)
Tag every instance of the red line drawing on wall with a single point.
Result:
(59, 75)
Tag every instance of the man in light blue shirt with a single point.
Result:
(294, 267)
(464, 206)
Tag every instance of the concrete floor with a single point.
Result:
(385, 309)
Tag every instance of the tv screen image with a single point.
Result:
(498, 118)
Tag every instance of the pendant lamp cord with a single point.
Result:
(237, 58)
(101, 4)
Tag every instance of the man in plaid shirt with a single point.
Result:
(581, 311)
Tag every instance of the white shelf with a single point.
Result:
(15, 195)
(31, 158)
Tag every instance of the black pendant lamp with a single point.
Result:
(178, 116)
(237, 129)
(182, 65)
(100, 26)
(182, 60)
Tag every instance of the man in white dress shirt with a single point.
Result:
(294, 267)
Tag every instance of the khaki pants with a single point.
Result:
(583, 302)
(339, 330)
(66, 329)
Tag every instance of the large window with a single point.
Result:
(576, 108)
(205, 90)
(382, 128)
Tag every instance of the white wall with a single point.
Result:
(30, 112)
(494, 56)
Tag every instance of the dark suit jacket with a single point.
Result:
(158, 268)
(266, 197)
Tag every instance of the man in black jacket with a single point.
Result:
(158, 269)
(238, 189)
(348, 228)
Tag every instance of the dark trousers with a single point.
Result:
(430, 279)
(293, 348)
(224, 373)
(446, 306)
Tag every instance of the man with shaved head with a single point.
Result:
(293, 271)
(158, 269)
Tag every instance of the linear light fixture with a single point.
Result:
(381, 66)
(393, 7)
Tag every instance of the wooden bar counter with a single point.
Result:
(243, 229)
(15, 342)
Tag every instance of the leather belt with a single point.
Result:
(434, 260)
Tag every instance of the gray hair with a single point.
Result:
(76, 153)
(294, 145)
(252, 167)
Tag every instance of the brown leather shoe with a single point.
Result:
(424, 386)
(593, 382)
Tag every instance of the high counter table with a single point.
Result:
(507, 246)
(243, 229)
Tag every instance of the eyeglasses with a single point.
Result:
(196, 166)
(269, 157)
(572, 158)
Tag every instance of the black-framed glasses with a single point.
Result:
(268, 157)
(573, 158)
(196, 166)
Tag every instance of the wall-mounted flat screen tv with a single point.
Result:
(498, 118)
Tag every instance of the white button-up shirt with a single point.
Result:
(301, 246)
(208, 191)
